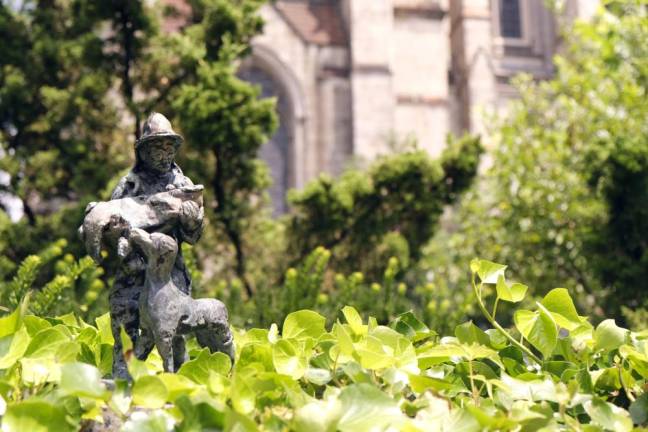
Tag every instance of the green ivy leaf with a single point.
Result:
(420, 384)
(242, 395)
(560, 304)
(11, 323)
(318, 416)
(17, 345)
(105, 332)
(514, 293)
(258, 355)
(489, 272)
(411, 327)
(345, 343)
(354, 320)
(367, 408)
(303, 324)
(289, 359)
(608, 336)
(469, 333)
(639, 410)
(177, 385)
(607, 415)
(434, 354)
(156, 421)
(35, 415)
(35, 324)
(83, 380)
(46, 342)
(150, 392)
(198, 369)
(318, 376)
(538, 328)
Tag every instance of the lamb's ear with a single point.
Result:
(142, 239)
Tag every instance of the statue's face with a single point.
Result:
(159, 155)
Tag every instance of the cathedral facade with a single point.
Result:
(353, 76)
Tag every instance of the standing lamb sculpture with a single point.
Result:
(157, 197)
(166, 313)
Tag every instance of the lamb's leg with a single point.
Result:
(164, 344)
(179, 352)
(123, 312)
(145, 344)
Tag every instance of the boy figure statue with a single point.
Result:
(154, 171)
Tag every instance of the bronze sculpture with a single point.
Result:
(167, 314)
(157, 197)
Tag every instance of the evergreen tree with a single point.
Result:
(67, 134)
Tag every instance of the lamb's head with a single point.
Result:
(159, 249)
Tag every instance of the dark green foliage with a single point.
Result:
(366, 217)
(222, 117)
(64, 136)
(57, 127)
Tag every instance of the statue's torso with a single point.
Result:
(130, 274)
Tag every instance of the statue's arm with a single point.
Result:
(191, 217)
(120, 190)
(127, 187)
(191, 222)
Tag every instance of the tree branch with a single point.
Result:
(229, 224)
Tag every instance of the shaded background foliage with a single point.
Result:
(562, 197)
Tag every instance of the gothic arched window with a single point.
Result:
(510, 19)
(275, 152)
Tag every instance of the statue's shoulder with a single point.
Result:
(127, 186)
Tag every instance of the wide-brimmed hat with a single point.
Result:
(156, 127)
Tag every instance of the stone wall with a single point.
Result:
(357, 75)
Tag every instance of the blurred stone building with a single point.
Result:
(351, 76)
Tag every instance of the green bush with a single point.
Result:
(390, 209)
(552, 370)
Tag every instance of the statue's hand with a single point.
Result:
(191, 215)
(124, 247)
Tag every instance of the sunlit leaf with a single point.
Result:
(609, 336)
(608, 415)
(489, 272)
(538, 328)
(364, 407)
(303, 324)
(84, 380)
(289, 359)
(514, 293)
(199, 368)
(36, 416)
(149, 392)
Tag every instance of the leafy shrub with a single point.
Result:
(392, 208)
(552, 370)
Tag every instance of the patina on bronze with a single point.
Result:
(154, 197)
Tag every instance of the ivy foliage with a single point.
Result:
(551, 370)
